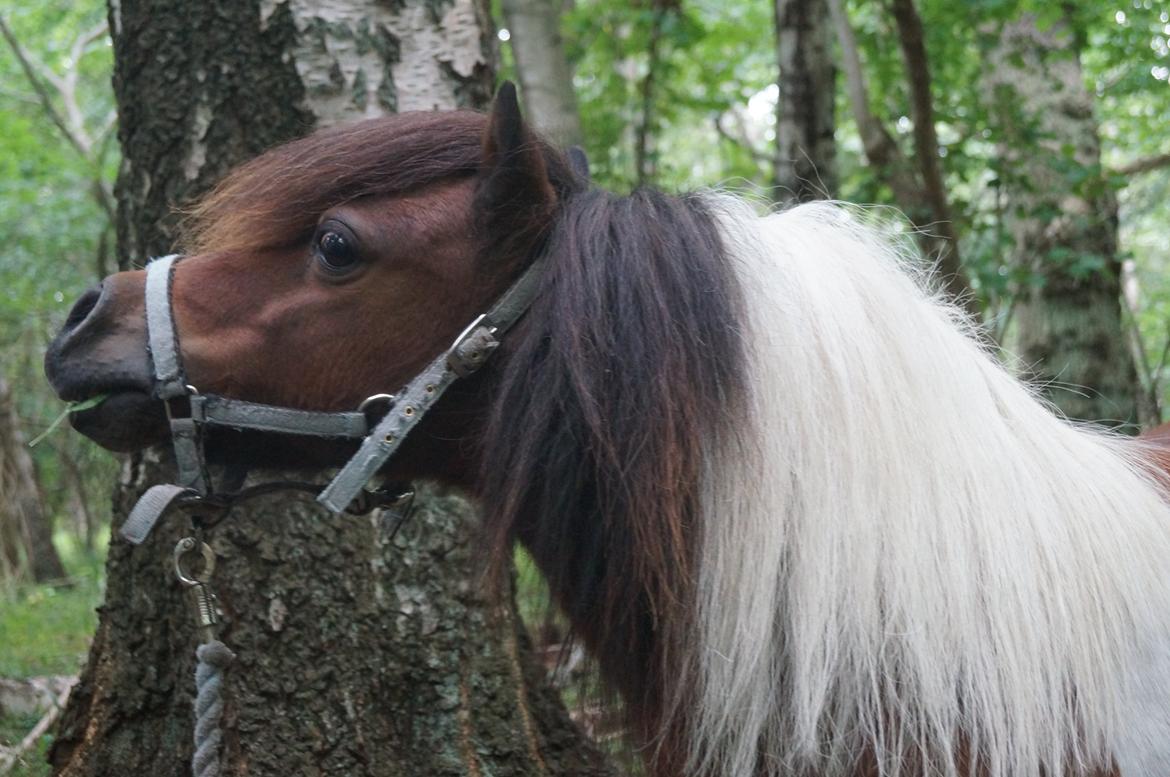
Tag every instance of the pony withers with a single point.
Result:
(802, 517)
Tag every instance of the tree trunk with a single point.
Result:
(355, 655)
(645, 156)
(912, 42)
(1063, 219)
(917, 186)
(806, 149)
(26, 530)
(546, 80)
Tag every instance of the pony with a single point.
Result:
(804, 519)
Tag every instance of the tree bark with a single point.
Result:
(806, 148)
(355, 655)
(1062, 217)
(546, 80)
(26, 530)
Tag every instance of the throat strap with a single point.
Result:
(236, 413)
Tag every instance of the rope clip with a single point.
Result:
(202, 599)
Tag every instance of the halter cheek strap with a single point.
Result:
(169, 381)
(467, 354)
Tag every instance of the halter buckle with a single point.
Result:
(374, 399)
(472, 347)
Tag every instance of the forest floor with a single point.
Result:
(44, 635)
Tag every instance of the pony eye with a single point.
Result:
(335, 251)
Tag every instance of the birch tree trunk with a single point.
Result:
(806, 148)
(355, 655)
(546, 80)
(1062, 217)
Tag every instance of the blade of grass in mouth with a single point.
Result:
(70, 407)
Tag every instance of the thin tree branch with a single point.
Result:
(69, 88)
(851, 63)
(72, 124)
(1149, 393)
(881, 150)
(84, 40)
(1142, 165)
(13, 94)
(1157, 370)
(757, 156)
(34, 80)
(8, 759)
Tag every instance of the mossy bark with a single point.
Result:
(1061, 215)
(356, 655)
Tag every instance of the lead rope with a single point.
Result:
(212, 658)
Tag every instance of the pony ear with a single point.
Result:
(579, 162)
(514, 194)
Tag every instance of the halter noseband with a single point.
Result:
(470, 351)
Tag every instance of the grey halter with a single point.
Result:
(470, 351)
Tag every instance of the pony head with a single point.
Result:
(323, 272)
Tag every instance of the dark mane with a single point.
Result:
(275, 199)
(630, 365)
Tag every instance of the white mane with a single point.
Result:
(905, 552)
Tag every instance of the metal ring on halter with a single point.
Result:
(185, 547)
(374, 399)
(191, 392)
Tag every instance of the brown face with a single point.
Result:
(382, 286)
(381, 289)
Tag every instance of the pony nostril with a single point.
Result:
(83, 307)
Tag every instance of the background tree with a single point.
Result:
(806, 145)
(356, 655)
(546, 80)
(916, 181)
(54, 137)
(1062, 215)
(26, 532)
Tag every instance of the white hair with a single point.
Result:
(906, 555)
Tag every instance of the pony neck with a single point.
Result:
(800, 514)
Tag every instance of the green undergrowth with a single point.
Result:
(12, 730)
(45, 629)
